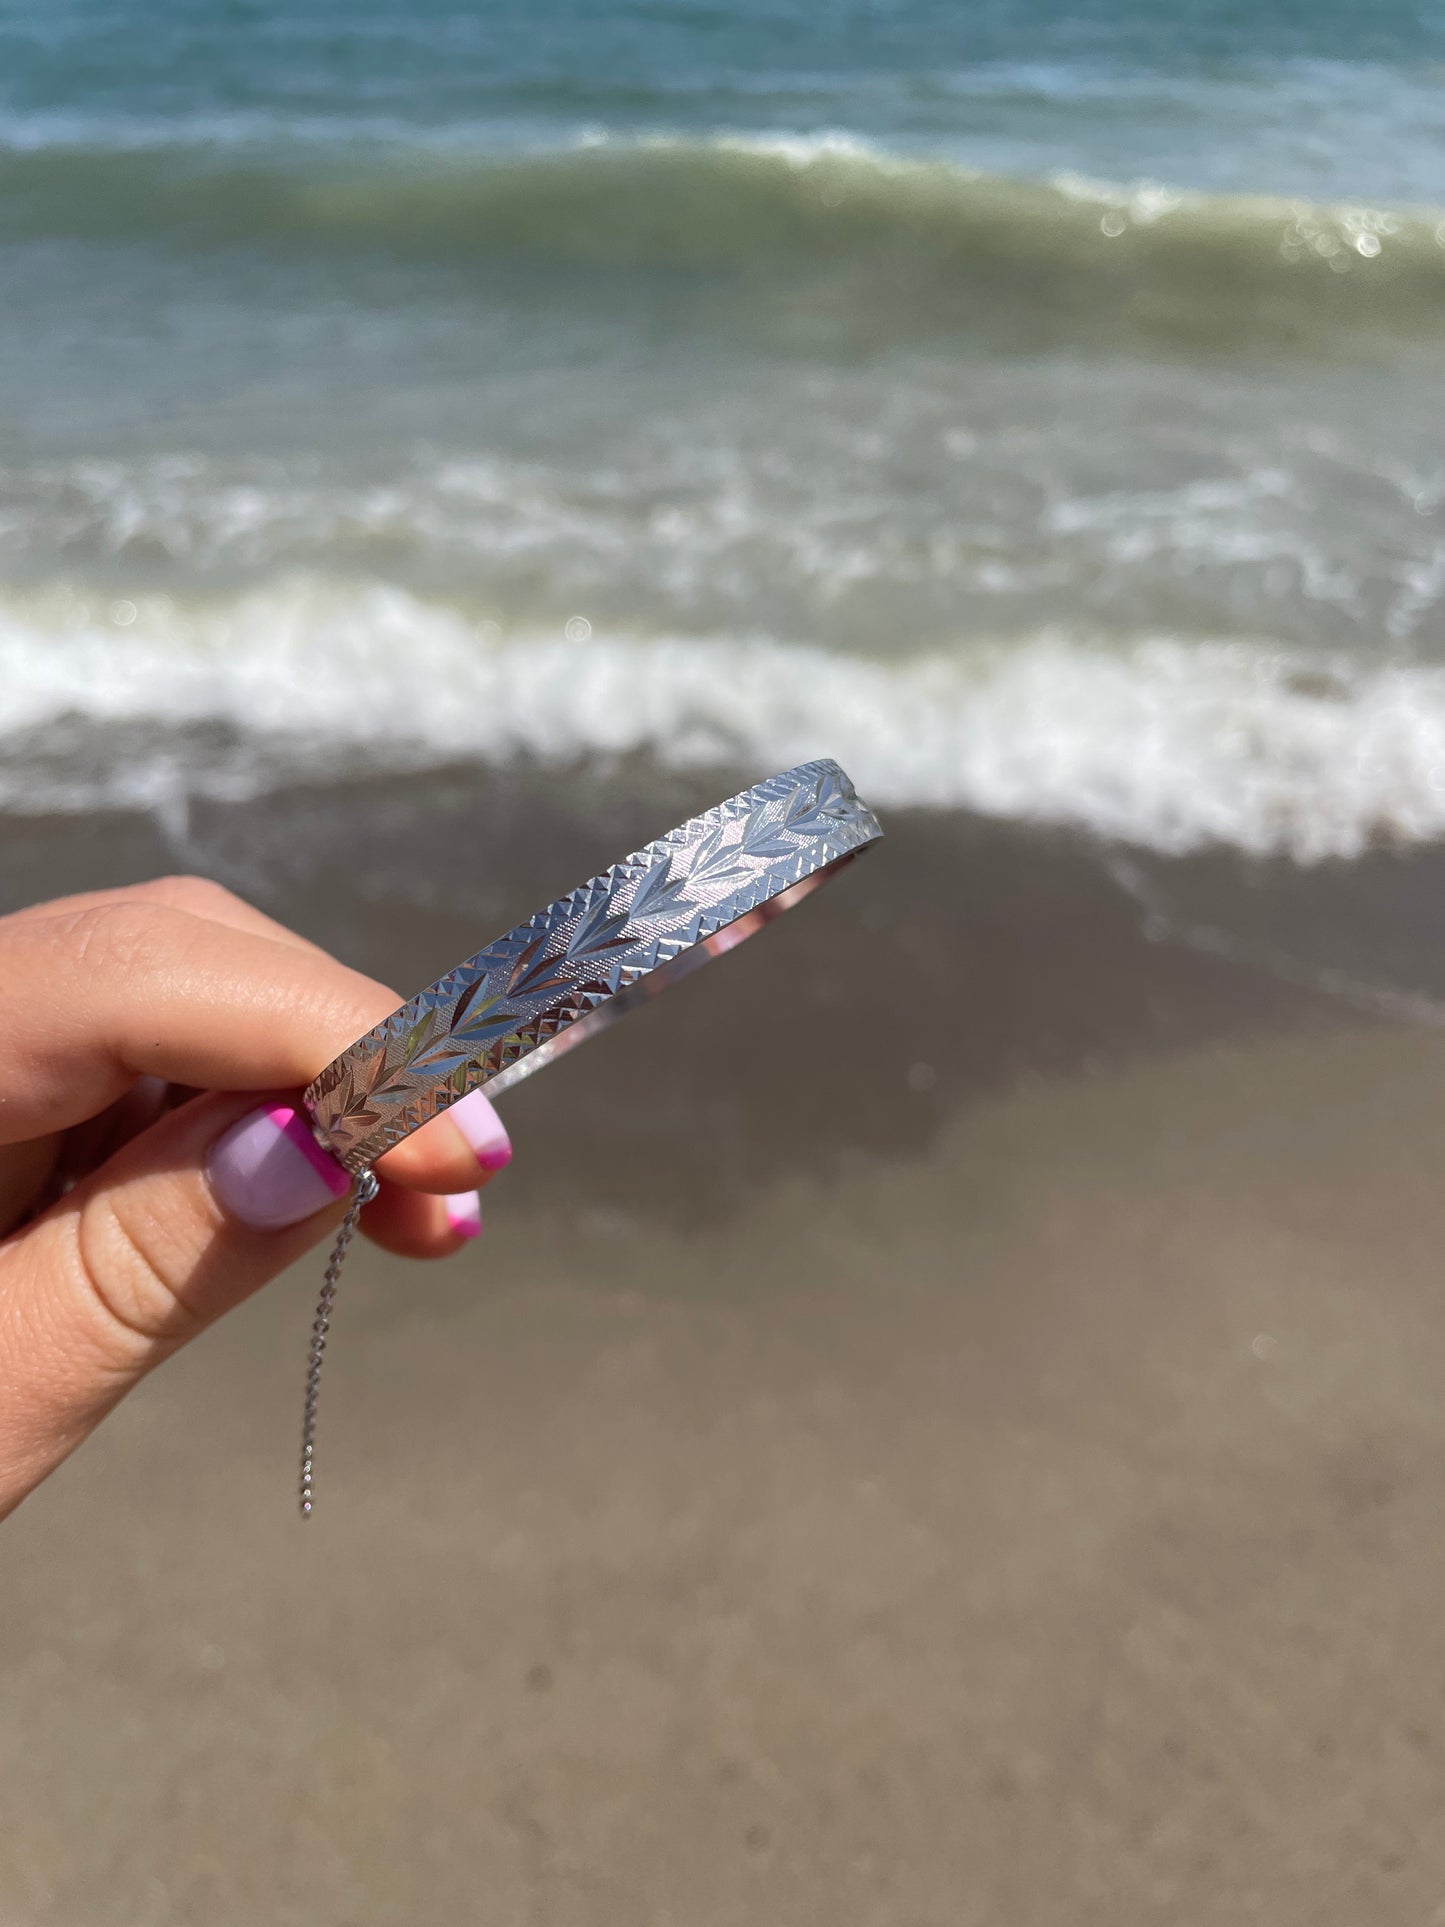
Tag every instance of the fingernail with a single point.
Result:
(464, 1213)
(476, 1119)
(268, 1170)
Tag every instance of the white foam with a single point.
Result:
(686, 530)
(1163, 743)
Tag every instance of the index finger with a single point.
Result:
(92, 998)
(202, 896)
(126, 987)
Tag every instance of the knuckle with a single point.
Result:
(119, 935)
(124, 1270)
(344, 1005)
(201, 896)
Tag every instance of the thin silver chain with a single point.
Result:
(366, 1190)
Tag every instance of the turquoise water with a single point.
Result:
(1036, 409)
(1323, 100)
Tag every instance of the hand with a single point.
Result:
(131, 1222)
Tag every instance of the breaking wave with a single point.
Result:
(1159, 742)
(947, 247)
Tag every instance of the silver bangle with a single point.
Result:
(576, 966)
(566, 973)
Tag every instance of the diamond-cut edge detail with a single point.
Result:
(581, 951)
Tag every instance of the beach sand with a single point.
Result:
(945, 1426)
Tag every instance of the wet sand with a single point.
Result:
(945, 1426)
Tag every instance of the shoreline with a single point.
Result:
(962, 958)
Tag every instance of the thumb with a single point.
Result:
(191, 1217)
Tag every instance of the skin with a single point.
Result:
(138, 1025)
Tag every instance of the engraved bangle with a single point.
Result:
(577, 965)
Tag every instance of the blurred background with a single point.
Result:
(945, 1423)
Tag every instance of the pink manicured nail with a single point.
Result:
(268, 1170)
(464, 1213)
(479, 1124)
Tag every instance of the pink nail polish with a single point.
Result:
(477, 1120)
(269, 1171)
(464, 1213)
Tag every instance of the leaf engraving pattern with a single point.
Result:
(532, 984)
(763, 838)
(467, 999)
(659, 894)
(533, 972)
(601, 929)
(715, 861)
(821, 805)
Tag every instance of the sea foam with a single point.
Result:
(1159, 742)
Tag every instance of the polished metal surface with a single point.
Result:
(581, 962)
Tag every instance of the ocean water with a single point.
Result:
(1037, 408)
